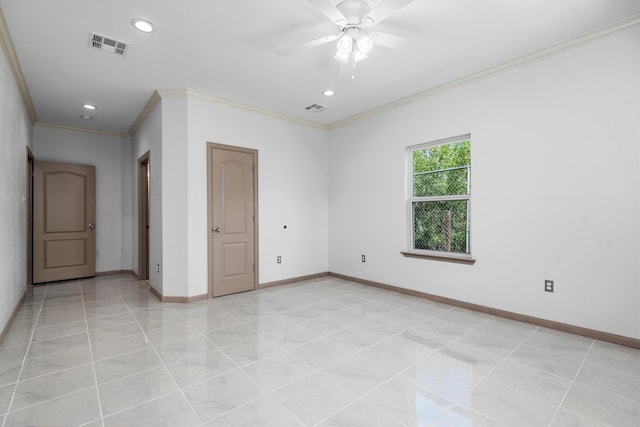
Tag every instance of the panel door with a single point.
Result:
(144, 169)
(64, 243)
(232, 221)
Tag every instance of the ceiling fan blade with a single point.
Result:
(312, 43)
(329, 10)
(388, 40)
(384, 10)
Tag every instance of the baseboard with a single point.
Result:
(193, 298)
(155, 293)
(163, 298)
(113, 272)
(292, 280)
(564, 327)
(13, 316)
(196, 298)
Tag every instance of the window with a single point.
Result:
(440, 180)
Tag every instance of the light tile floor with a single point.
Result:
(323, 352)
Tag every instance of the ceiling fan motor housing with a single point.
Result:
(354, 11)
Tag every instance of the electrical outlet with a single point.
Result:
(158, 268)
(548, 285)
(279, 259)
(364, 258)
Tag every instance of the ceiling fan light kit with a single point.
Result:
(353, 46)
(354, 18)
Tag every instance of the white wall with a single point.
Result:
(148, 138)
(15, 137)
(113, 185)
(292, 185)
(175, 247)
(126, 242)
(555, 189)
(292, 189)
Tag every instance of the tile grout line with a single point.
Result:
(24, 359)
(54, 398)
(260, 396)
(120, 411)
(319, 370)
(359, 397)
(237, 367)
(566, 393)
(504, 359)
(163, 364)
(396, 308)
(75, 366)
(400, 373)
(445, 397)
(93, 363)
(241, 368)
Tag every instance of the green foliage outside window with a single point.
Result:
(440, 172)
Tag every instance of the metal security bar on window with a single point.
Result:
(441, 226)
(444, 182)
(441, 196)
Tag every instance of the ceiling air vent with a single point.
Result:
(108, 44)
(315, 107)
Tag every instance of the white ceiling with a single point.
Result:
(226, 49)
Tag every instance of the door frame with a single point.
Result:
(210, 147)
(29, 211)
(43, 235)
(144, 170)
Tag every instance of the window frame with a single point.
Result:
(413, 252)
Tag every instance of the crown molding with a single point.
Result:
(182, 93)
(487, 72)
(16, 70)
(77, 129)
(175, 93)
(153, 100)
(256, 110)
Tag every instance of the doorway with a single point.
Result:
(64, 218)
(232, 187)
(144, 170)
(28, 199)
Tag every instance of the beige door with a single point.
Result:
(143, 216)
(232, 226)
(64, 242)
(29, 207)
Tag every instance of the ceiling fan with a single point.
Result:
(354, 18)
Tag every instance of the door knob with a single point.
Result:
(217, 229)
(92, 226)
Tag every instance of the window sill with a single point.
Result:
(445, 258)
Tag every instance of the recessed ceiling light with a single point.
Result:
(90, 107)
(84, 116)
(328, 92)
(143, 25)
